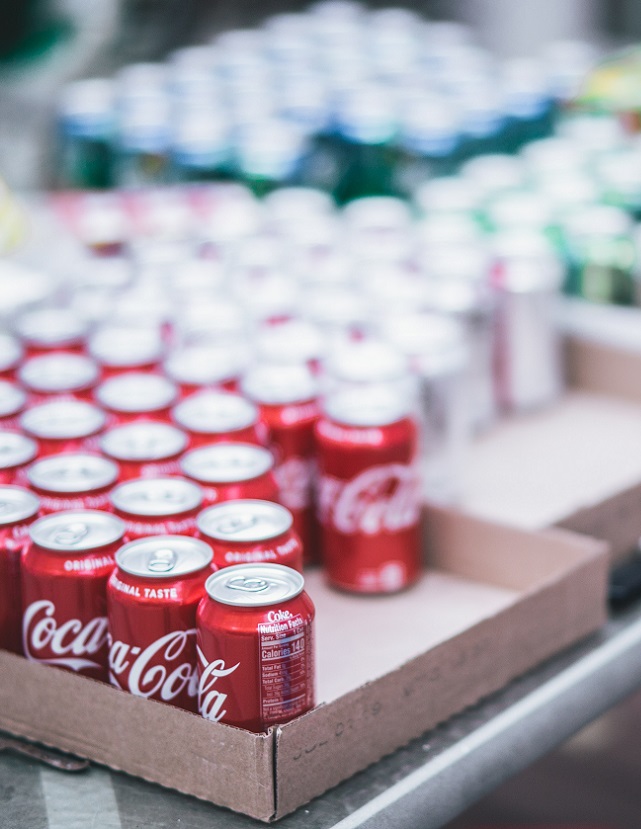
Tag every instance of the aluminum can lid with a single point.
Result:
(51, 326)
(58, 372)
(227, 463)
(200, 365)
(63, 419)
(12, 398)
(164, 556)
(72, 472)
(214, 412)
(17, 504)
(76, 530)
(254, 585)
(143, 442)
(156, 496)
(126, 346)
(16, 449)
(366, 407)
(280, 384)
(136, 392)
(366, 361)
(10, 352)
(244, 521)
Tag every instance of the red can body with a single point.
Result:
(65, 596)
(369, 504)
(145, 450)
(73, 481)
(14, 540)
(256, 663)
(259, 484)
(152, 625)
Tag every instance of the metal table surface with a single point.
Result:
(424, 785)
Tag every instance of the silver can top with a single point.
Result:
(17, 504)
(244, 521)
(72, 472)
(280, 384)
(215, 413)
(11, 352)
(58, 372)
(143, 442)
(51, 327)
(77, 531)
(372, 406)
(165, 556)
(12, 399)
(157, 496)
(226, 463)
(16, 449)
(63, 419)
(120, 346)
(201, 365)
(254, 585)
(136, 392)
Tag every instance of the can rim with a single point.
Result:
(164, 542)
(243, 570)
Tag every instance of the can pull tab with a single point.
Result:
(162, 561)
(236, 524)
(71, 534)
(248, 585)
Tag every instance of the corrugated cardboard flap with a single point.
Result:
(145, 738)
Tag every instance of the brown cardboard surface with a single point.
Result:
(495, 601)
(562, 578)
(577, 464)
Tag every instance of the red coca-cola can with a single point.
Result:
(251, 532)
(18, 508)
(64, 589)
(197, 367)
(369, 491)
(152, 598)
(16, 452)
(59, 376)
(119, 349)
(287, 396)
(13, 401)
(144, 450)
(157, 506)
(211, 417)
(73, 481)
(136, 396)
(229, 471)
(11, 355)
(64, 426)
(255, 647)
(51, 329)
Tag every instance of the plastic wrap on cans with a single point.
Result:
(18, 509)
(72, 481)
(251, 531)
(228, 471)
(64, 589)
(527, 280)
(438, 350)
(152, 598)
(255, 647)
(157, 506)
(369, 490)
(287, 396)
(217, 416)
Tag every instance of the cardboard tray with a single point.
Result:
(576, 465)
(493, 602)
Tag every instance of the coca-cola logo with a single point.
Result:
(382, 498)
(294, 479)
(66, 644)
(162, 670)
(211, 700)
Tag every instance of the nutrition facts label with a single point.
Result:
(286, 665)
